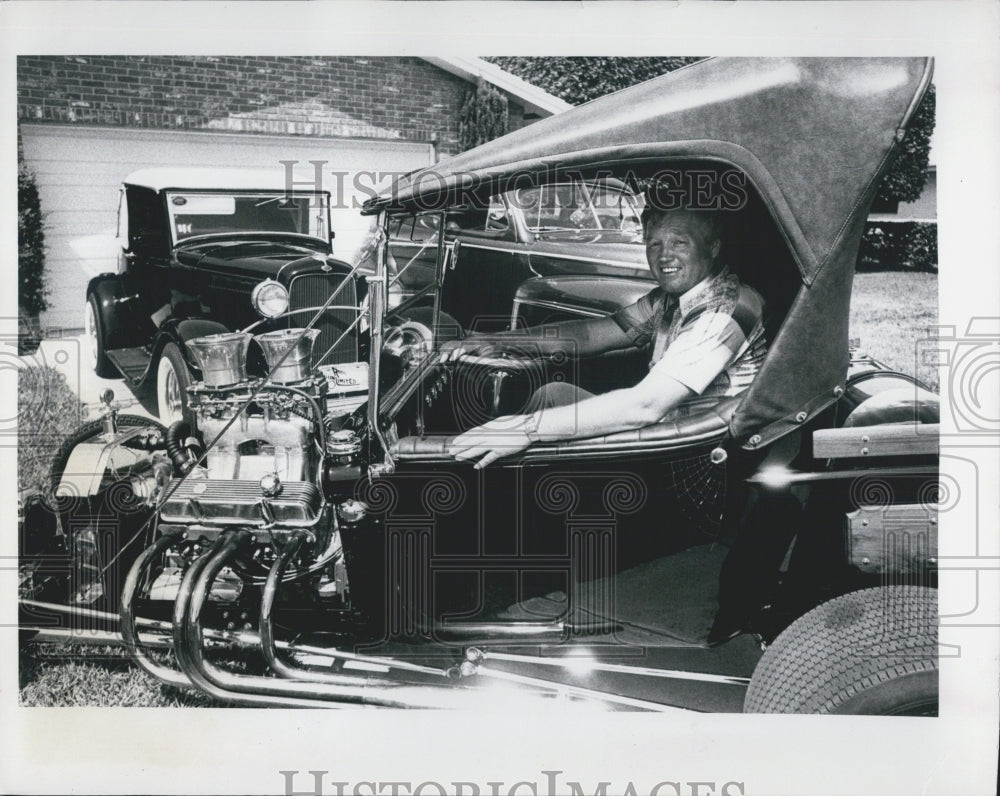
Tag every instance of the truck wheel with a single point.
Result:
(172, 380)
(870, 652)
(93, 340)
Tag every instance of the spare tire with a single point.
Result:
(869, 652)
(85, 432)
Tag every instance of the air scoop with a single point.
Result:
(222, 358)
(295, 367)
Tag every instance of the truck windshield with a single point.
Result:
(219, 213)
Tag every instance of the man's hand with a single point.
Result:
(472, 346)
(504, 436)
(490, 349)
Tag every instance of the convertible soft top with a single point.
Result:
(812, 134)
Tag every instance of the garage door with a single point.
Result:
(79, 170)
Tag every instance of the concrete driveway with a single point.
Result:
(67, 355)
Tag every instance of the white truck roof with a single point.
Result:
(200, 179)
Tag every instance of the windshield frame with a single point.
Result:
(388, 270)
(384, 402)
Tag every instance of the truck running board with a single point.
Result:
(132, 362)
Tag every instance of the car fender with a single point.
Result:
(181, 330)
(107, 288)
(878, 397)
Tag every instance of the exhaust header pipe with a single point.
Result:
(300, 686)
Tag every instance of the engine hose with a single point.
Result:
(177, 449)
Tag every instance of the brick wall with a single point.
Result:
(373, 97)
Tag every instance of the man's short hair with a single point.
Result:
(709, 222)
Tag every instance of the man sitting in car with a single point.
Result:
(706, 331)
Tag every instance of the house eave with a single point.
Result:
(534, 99)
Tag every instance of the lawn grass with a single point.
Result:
(74, 675)
(893, 312)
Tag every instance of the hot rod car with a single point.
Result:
(773, 553)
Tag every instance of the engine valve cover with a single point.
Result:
(229, 502)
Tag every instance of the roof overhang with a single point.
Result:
(534, 99)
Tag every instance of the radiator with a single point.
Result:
(312, 290)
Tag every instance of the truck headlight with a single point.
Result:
(270, 298)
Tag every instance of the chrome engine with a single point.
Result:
(261, 449)
(275, 440)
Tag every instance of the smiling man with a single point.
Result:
(704, 328)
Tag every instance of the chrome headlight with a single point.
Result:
(270, 298)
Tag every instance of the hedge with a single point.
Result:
(483, 116)
(899, 246)
(579, 79)
(32, 290)
(48, 411)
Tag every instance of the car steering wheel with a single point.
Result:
(409, 342)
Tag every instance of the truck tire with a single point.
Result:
(869, 652)
(172, 380)
(94, 340)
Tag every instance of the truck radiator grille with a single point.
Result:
(312, 290)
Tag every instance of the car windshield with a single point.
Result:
(411, 255)
(577, 206)
(225, 212)
(412, 290)
(606, 210)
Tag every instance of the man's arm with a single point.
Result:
(619, 410)
(582, 338)
(693, 360)
(629, 327)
